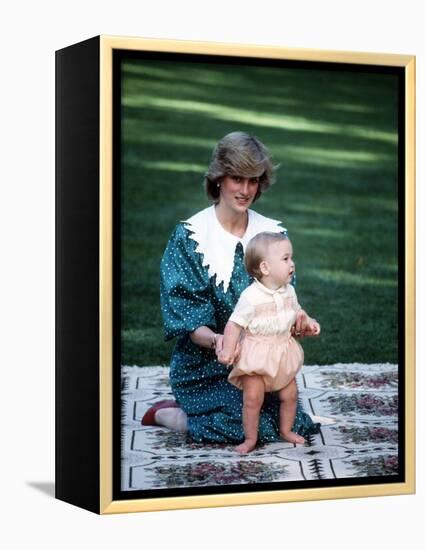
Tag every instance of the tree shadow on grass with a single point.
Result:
(334, 135)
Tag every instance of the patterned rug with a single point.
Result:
(362, 440)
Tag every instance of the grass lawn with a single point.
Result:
(334, 135)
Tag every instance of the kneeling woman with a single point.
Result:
(202, 277)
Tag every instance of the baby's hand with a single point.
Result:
(225, 358)
(313, 328)
(301, 324)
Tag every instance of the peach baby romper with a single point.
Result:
(267, 347)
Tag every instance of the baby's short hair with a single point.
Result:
(257, 249)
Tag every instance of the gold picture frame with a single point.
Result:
(76, 472)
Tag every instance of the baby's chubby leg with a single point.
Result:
(253, 398)
(288, 408)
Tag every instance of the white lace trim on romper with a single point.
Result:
(275, 322)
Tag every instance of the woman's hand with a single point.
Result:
(223, 357)
(218, 344)
(206, 338)
(229, 359)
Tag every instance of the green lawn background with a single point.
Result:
(334, 135)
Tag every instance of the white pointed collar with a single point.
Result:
(218, 245)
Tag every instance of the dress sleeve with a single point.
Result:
(184, 287)
(243, 313)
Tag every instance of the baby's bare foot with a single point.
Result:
(245, 447)
(293, 438)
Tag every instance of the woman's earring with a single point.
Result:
(218, 185)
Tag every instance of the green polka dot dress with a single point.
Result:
(190, 298)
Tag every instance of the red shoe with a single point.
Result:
(149, 416)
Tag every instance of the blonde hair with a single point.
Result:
(239, 154)
(257, 248)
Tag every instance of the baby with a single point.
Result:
(269, 356)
